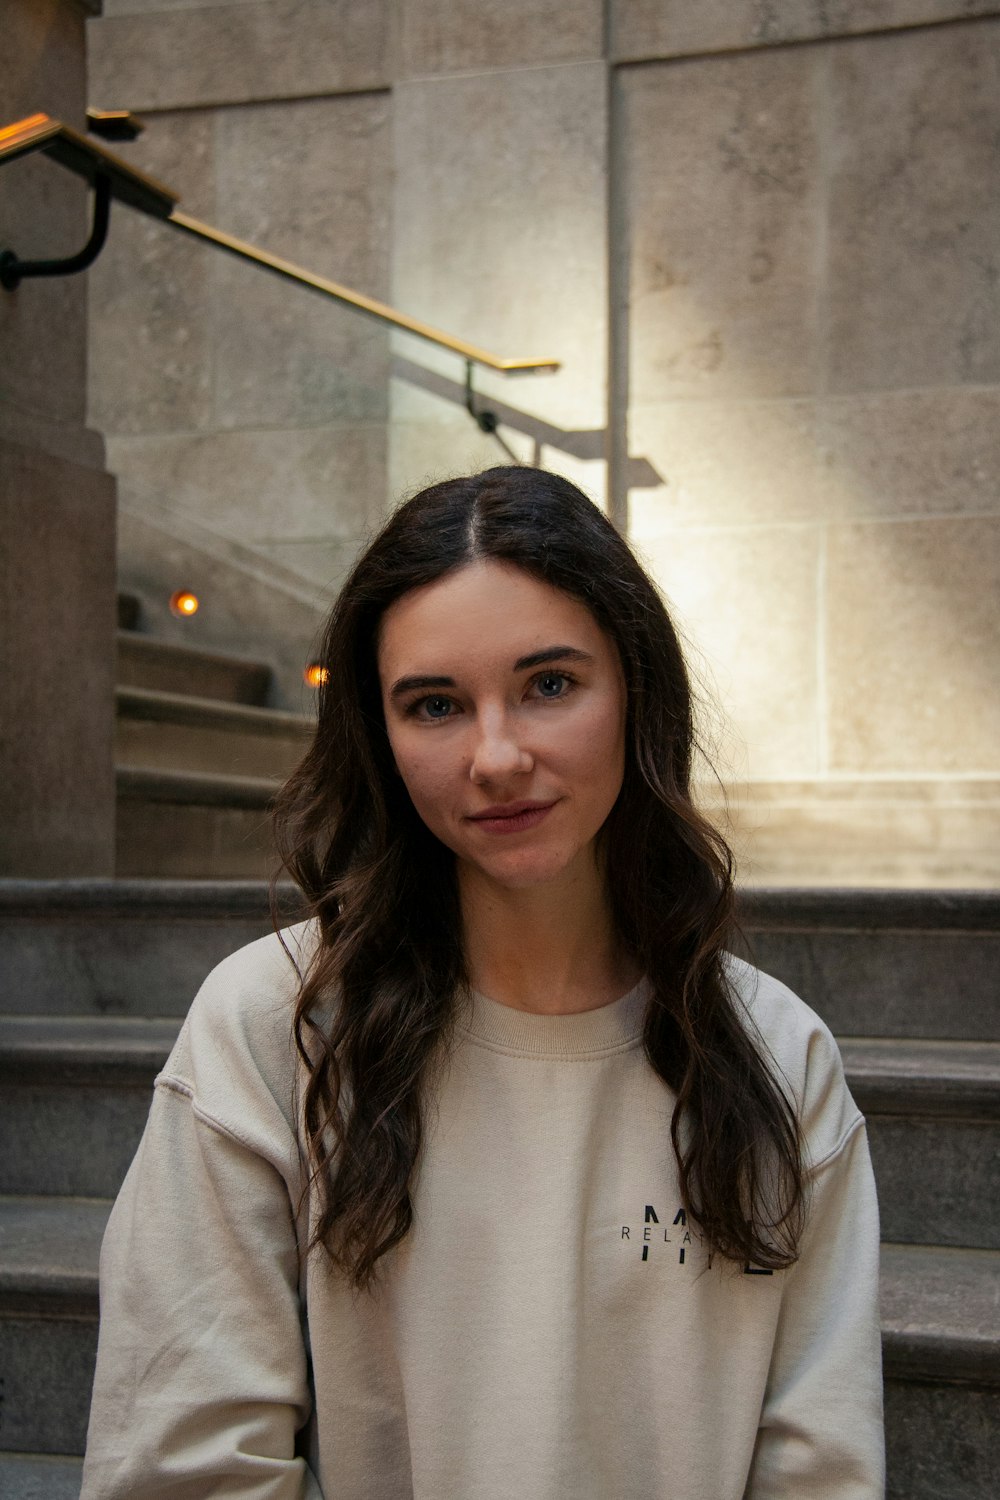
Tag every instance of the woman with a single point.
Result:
(499, 1177)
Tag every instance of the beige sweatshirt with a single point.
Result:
(551, 1328)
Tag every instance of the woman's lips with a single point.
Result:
(521, 815)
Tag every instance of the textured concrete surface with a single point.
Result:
(941, 1440)
(194, 840)
(48, 1370)
(937, 1180)
(176, 732)
(913, 638)
(57, 622)
(442, 36)
(119, 947)
(914, 221)
(841, 831)
(148, 662)
(234, 53)
(745, 599)
(30, 1476)
(665, 28)
(933, 984)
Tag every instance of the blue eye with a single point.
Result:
(552, 684)
(436, 708)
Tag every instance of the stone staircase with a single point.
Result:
(95, 977)
(198, 756)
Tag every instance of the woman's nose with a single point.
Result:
(498, 752)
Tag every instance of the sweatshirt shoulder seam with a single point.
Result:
(185, 1090)
(846, 1136)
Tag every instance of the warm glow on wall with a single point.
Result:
(183, 604)
(315, 674)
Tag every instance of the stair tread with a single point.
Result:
(940, 1310)
(861, 909)
(924, 1076)
(206, 713)
(116, 1047)
(155, 646)
(51, 1246)
(149, 898)
(40, 1476)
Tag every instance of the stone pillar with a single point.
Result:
(57, 503)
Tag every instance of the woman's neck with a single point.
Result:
(551, 949)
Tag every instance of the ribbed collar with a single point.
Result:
(611, 1027)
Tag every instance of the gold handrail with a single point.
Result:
(139, 191)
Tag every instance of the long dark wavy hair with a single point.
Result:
(376, 999)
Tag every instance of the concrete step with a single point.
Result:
(74, 1097)
(941, 1358)
(37, 1476)
(940, 1339)
(123, 947)
(166, 667)
(186, 825)
(178, 732)
(49, 1251)
(933, 1112)
(884, 962)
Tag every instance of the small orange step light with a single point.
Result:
(315, 674)
(183, 604)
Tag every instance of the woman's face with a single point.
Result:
(505, 706)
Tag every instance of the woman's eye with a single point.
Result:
(552, 684)
(434, 708)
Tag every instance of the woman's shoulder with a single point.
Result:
(804, 1055)
(236, 1049)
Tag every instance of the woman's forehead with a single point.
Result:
(486, 609)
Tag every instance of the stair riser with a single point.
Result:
(130, 966)
(939, 985)
(172, 840)
(47, 1365)
(75, 1141)
(942, 1441)
(937, 1180)
(163, 746)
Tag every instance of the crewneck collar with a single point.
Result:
(610, 1028)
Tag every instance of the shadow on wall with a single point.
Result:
(585, 444)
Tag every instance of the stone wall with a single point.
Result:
(763, 238)
(57, 503)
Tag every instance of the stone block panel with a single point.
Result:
(913, 642)
(725, 462)
(304, 484)
(723, 186)
(151, 294)
(746, 602)
(442, 36)
(237, 53)
(500, 208)
(670, 28)
(930, 452)
(308, 180)
(914, 216)
(57, 622)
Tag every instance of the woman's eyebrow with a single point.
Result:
(551, 653)
(541, 658)
(407, 684)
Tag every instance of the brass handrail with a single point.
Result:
(93, 162)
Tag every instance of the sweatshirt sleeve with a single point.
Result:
(202, 1385)
(821, 1435)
